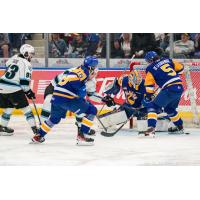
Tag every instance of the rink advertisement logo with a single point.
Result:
(42, 78)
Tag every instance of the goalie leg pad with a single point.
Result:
(113, 118)
(161, 126)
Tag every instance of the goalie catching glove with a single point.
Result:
(108, 100)
(30, 94)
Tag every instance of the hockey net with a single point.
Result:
(189, 106)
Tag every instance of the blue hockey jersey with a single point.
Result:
(72, 85)
(134, 96)
(164, 72)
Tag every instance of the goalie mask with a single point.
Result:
(135, 78)
(27, 51)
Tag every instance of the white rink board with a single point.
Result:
(125, 148)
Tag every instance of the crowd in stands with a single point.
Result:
(123, 45)
(77, 45)
(10, 43)
(186, 45)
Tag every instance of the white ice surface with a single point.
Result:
(125, 148)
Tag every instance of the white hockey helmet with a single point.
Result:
(27, 51)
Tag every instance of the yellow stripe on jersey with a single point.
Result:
(152, 116)
(178, 67)
(45, 127)
(87, 122)
(176, 83)
(149, 80)
(175, 118)
(150, 89)
(63, 95)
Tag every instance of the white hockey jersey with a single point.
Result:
(17, 75)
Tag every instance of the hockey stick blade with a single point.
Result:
(106, 134)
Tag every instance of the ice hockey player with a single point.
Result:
(90, 91)
(133, 87)
(15, 89)
(69, 95)
(165, 73)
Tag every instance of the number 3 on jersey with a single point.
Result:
(11, 71)
(168, 69)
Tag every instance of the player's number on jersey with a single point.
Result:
(168, 69)
(63, 81)
(10, 73)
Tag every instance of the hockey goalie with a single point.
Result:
(133, 87)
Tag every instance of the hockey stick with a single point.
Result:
(110, 134)
(33, 100)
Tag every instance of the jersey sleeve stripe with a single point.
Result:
(63, 95)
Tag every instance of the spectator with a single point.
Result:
(15, 41)
(78, 47)
(57, 46)
(164, 43)
(162, 40)
(143, 42)
(101, 48)
(116, 51)
(197, 45)
(4, 45)
(183, 48)
(93, 43)
(125, 43)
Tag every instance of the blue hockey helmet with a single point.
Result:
(91, 61)
(150, 55)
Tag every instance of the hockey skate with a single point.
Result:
(92, 132)
(35, 130)
(150, 132)
(177, 130)
(37, 139)
(6, 131)
(84, 140)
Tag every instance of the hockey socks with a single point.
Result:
(46, 109)
(175, 118)
(86, 124)
(5, 118)
(152, 119)
(29, 116)
(45, 128)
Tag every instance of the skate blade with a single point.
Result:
(6, 134)
(141, 135)
(84, 143)
(35, 142)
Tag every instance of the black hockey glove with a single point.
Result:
(109, 101)
(30, 94)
